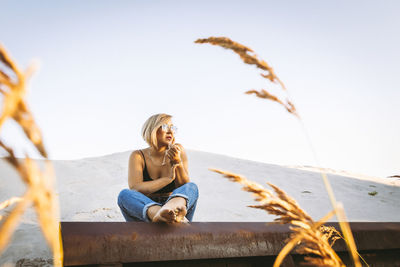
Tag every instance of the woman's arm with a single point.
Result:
(135, 176)
(178, 154)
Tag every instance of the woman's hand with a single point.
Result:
(174, 155)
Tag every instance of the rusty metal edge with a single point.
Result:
(103, 242)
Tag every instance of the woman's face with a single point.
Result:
(165, 134)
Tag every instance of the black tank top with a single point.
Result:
(146, 177)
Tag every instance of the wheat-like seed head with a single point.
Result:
(9, 202)
(249, 57)
(264, 94)
(330, 233)
(307, 234)
(243, 52)
(14, 105)
(39, 184)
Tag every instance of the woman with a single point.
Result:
(158, 179)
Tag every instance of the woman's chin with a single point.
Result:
(166, 143)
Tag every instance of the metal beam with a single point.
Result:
(126, 242)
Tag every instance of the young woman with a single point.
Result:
(159, 186)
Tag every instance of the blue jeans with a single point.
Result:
(134, 205)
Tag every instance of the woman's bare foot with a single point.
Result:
(173, 211)
(152, 211)
(165, 214)
(180, 213)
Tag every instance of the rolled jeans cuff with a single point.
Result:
(180, 195)
(146, 207)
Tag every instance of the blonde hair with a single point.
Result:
(150, 127)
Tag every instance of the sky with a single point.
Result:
(106, 66)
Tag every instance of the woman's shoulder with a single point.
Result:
(137, 154)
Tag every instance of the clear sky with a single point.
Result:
(106, 66)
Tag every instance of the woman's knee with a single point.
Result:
(121, 196)
(124, 194)
(193, 187)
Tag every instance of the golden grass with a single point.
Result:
(249, 57)
(40, 184)
(9, 202)
(246, 54)
(310, 237)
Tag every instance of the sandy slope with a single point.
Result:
(88, 190)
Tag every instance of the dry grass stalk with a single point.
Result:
(39, 184)
(243, 51)
(264, 94)
(307, 235)
(330, 233)
(334, 235)
(14, 105)
(9, 202)
(249, 57)
(343, 222)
